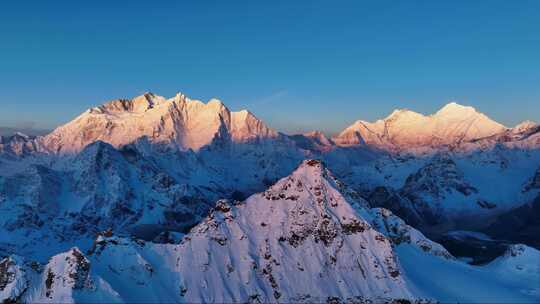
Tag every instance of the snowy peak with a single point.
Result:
(405, 130)
(245, 126)
(319, 138)
(66, 278)
(455, 109)
(13, 282)
(301, 228)
(311, 176)
(177, 122)
(404, 114)
(17, 144)
(525, 127)
(139, 104)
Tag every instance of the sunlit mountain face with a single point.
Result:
(162, 200)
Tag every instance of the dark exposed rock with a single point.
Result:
(485, 204)
(313, 162)
(6, 276)
(437, 179)
(524, 222)
(353, 227)
(222, 206)
(534, 182)
(385, 197)
(48, 283)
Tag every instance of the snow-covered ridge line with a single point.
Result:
(184, 123)
(452, 127)
(178, 122)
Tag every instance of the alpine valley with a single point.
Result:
(157, 200)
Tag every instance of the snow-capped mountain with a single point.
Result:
(212, 152)
(405, 130)
(17, 144)
(308, 238)
(449, 190)
(482, 171)
(525, 135)
(178, 122)
(151, 169)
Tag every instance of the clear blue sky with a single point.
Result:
(298, 65)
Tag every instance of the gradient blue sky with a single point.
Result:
(298, 65)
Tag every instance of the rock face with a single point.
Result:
(402, 206)
(99, 188)
(69, 271)
(427, 193)
(29, 197)
(13, 283)
(65, 278)
(438, 178)
(177, 122)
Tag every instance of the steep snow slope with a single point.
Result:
(452, 281)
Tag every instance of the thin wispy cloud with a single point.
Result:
(275, 97)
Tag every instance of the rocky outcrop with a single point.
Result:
(13, 280)
(388, 198)
(533, 183)
(437, 179)
(18, 144)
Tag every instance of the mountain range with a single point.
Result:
(176, 200)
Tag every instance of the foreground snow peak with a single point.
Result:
(307, 238)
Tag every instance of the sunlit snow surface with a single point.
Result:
(508, 279)
(149, 165)
(306, 239)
